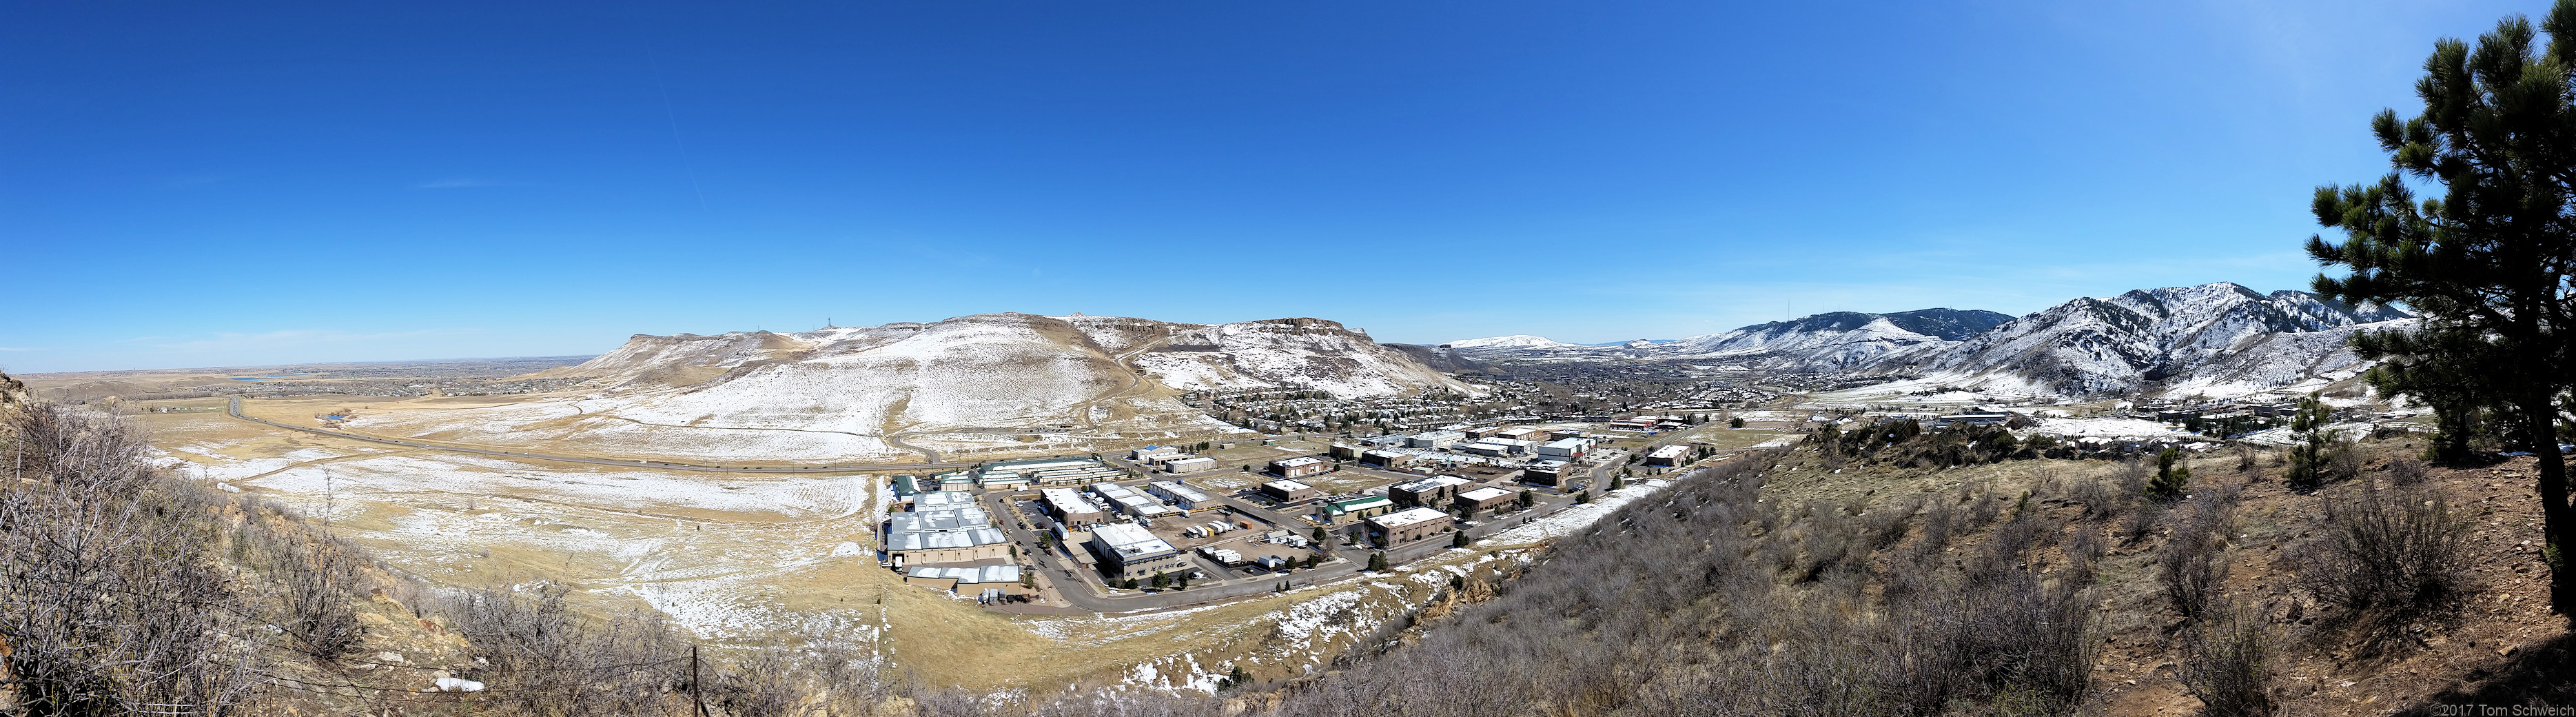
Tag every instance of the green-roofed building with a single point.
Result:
(1359, 508)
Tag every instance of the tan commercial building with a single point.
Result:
(1667, 456)
(1289, 491)
(1300, 467)
(1408, 525)
(1485, 499)
(1435, 491)
(1386, 459)
(1073, 510)
(1549, 473)
(1129, 552)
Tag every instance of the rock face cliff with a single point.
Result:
(865, 392)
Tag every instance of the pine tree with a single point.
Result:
(2308, 458)
(1460, 540)
(1618, 481)
(1735, 422)
(1377, 562)
(1162, 581)
(2172, 477)
(2491, 266)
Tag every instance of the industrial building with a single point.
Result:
(1499, 447)
(1521, 434)
(1004, 577)
(1073, 510)
(1148, 453)
(1179, 494)
(1485, 499)
(944, 527)
(1549, 473)
(1387, 441)
(1130, 502)
(1046, 472)
(1405, 526)
(1434, 491)
(1289, 491)
(1129, 552)
(1358, 508)
(1437, 439)
(1668, 456)
(1387, 459)
(1565, 449)
(1191, 464)
(1345, 451)
(1300, 467)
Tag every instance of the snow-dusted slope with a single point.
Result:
(840, 393)
(2212, 334)
(1524, 347)
(1286, 353)
(1841, 340)
(1837, 341)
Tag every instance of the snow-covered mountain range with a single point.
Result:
(863, 392)
(2219, 339)
(1841, 340)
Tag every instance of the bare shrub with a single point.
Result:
(1982, 509)
(2225, 662)
(2407, 472)
(2343, 458)
(2132, 478)
(2141, 521)
(109, 601)
(2396, 550)
(312, 581)
(545, 658)
(2083, 545)
(315, 591)
(1884, 528)
(2098, 499)
(2190, 564)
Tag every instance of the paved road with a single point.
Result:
(235, 411)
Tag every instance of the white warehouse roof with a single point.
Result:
(1410, 516)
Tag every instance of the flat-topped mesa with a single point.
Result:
(858, 385)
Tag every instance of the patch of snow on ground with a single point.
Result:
(1576, 517)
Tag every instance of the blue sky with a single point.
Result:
(248, 183)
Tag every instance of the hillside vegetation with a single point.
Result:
(1919, 575)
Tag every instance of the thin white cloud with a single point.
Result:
(19, 348)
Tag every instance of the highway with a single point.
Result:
(235, 411)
